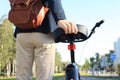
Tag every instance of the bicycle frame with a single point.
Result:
(72, 71)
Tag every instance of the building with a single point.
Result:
(117, 52)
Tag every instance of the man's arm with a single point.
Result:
(56, 7)
(68, 26)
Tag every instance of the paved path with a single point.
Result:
(91, 78)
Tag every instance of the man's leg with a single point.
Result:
(44, 57)
(24, 56)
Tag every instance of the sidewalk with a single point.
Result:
(101, 76)
(91, 78)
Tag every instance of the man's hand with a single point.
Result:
(68, 26)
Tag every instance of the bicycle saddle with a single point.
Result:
(60, 36)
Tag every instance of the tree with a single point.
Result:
(97, 56)
(92, 62)
(58, 59)
(97, 62)
(7, 43)
(86, 65)
(110, 61)
(58, 62)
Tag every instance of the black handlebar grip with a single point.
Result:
(99, 23)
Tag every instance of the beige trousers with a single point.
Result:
(36, 47)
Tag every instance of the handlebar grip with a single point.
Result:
(99, 23)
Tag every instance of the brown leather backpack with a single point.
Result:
(27, 14)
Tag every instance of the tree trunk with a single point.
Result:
(8, 68)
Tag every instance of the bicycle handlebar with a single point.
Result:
(60, 36)
(98, 24)
(93, 29)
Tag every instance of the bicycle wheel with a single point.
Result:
(72, 72)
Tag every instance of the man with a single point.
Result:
(38, 44)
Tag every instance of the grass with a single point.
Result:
(57, 76)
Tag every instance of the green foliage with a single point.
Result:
(97, 57)
(58, 61)
(110, 61)
(57, 76)
(92, 59)
(86, 65)
(119, 70)
(7, 43)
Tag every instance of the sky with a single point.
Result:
(87, 13)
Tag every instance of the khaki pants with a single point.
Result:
(36, 47)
